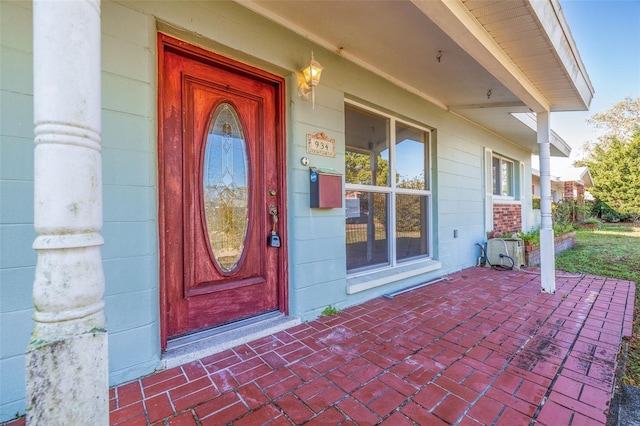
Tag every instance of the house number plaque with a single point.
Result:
(321, 144)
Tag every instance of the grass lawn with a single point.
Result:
(612, 251)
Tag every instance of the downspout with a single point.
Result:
(547, 250)
(67, 366)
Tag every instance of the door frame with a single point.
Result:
(167, 43)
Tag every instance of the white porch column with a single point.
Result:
(547, 251)
(67, 359)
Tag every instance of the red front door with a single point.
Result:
(221, 185)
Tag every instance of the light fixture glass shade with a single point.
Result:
(312, 72)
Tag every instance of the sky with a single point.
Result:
(607, 35)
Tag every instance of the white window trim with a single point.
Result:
(488, 190)
(506, 200)
(501, 199)
(376, 276)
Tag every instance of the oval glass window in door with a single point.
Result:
(226, 190)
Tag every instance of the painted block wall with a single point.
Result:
(317, 255)
(460, 194)
(317, 261)
(130, 253)
(17, 259)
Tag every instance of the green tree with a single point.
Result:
(614, 159)
(410, 214)
(358, 169)
(619, 122)
(615, 167)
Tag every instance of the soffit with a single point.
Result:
(535, 36)
(400, 41)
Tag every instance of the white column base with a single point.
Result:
(547, 261)
(51, 372)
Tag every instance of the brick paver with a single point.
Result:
(481, 347)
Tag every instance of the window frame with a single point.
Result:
(393, 190)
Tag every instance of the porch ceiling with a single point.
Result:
(520, 51)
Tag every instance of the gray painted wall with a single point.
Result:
(17, 259)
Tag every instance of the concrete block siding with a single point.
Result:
(17, 259)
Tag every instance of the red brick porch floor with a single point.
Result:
(481, 347)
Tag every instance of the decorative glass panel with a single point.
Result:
(226, 191)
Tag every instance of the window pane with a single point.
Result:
(411, 226)
(410, 157)
(362, 169)
(367, 228)
(367, 151)
(507, 178)
(496, 179)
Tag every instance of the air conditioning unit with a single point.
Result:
(501, 252)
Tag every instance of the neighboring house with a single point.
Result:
(175, 131)
(571, 185)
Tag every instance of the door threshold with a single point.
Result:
(204, 343)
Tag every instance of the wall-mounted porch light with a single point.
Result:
(311, 78)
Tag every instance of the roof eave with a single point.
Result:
(455, 19)
(551, 18)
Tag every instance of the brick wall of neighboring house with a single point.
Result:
(580, 194)
(507, 218)
(568, 191)
(574, 191)
(580, 200)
